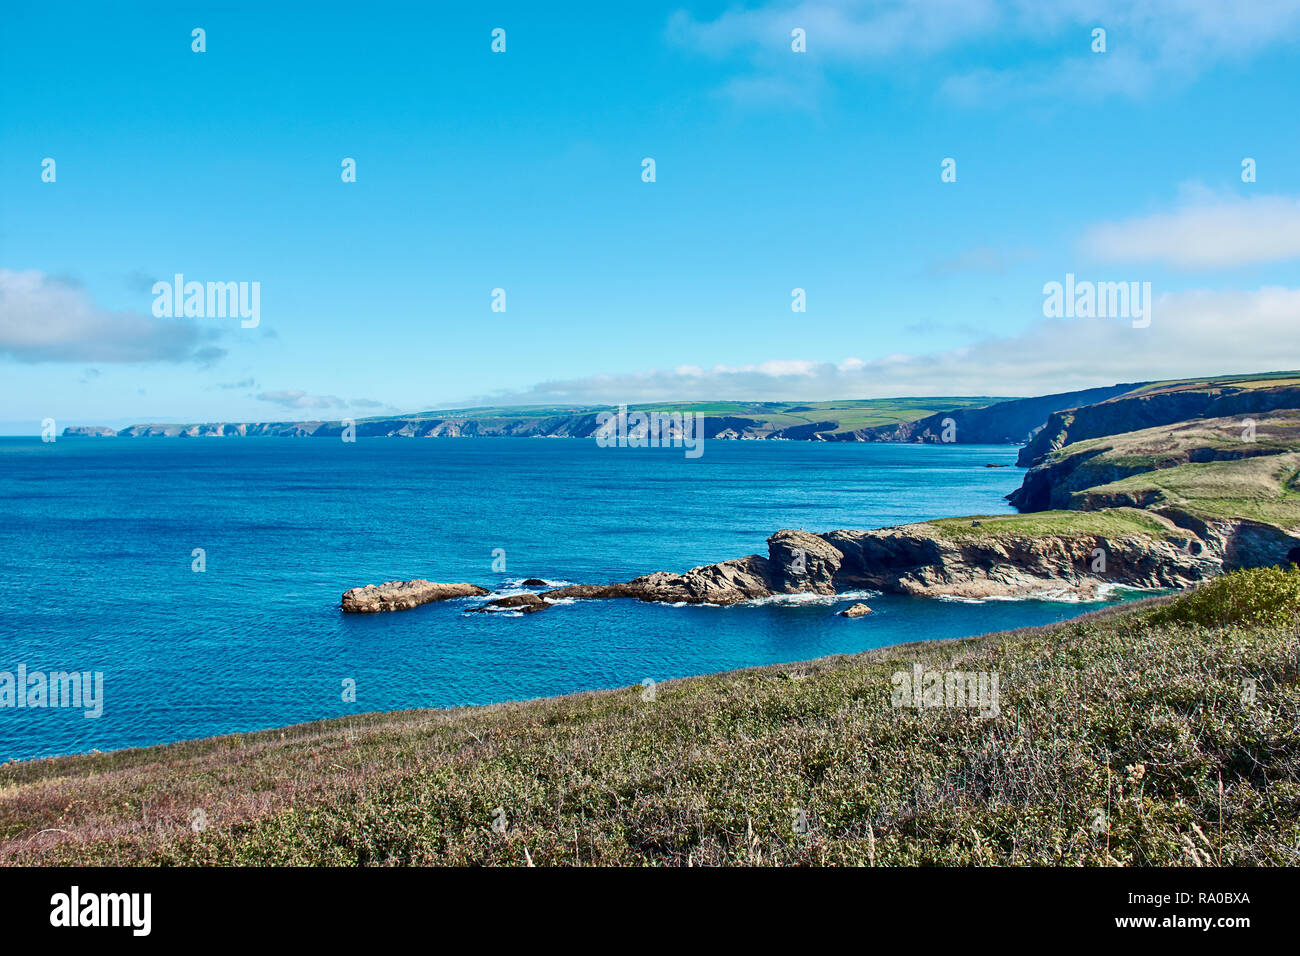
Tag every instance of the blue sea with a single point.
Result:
(97, 538)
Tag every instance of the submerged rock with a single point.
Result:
(856, 610)
(534, 583)
(402, 595)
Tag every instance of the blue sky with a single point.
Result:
(522, 170)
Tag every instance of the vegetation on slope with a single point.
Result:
(1261, 489)
(1220, 382)
(1124, 737)
(1223, 468)
(1109, 522)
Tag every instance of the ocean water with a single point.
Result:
(97, 536)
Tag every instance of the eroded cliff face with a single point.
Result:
(1004, 423)
(922, 560)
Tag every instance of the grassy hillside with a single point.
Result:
(1124, 737)
(1110, 522)
(1210, 468)
(1274, 432)
(1217, 382)
(1261, 489)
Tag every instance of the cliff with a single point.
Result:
(1153, 407)
(977, 421)
(1005, 423)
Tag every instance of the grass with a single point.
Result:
(1263, 489)
(1216, 383)
(1125, 737)
(1108, 522)
(1275, 432)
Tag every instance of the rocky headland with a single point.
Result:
(1160, 489)
(942, 559)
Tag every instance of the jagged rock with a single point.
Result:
(800, 562)
(524, 603)
(724, 583)
(401, 595)
(856, 610)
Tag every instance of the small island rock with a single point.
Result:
(402, 595)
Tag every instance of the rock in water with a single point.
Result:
(856, 610)
(524, 603)
(401, 595)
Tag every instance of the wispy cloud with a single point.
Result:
(1205, 233)
(46, 318)
(1191, 333)
(242, 383)
(298, 399)
(1151, 44)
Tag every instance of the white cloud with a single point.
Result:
(1204, 234)
(844, 29)
(1191, 333)
(1151, 44)
(51, 319)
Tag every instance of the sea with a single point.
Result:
(201, 578)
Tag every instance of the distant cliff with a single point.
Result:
(1001, 422)
(1006, 423)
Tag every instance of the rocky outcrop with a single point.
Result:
(921, 560)
(924, 560)
(728, 582)
(855, 610)
(523, 603)
(402, 595)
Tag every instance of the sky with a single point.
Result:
(522, 171)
